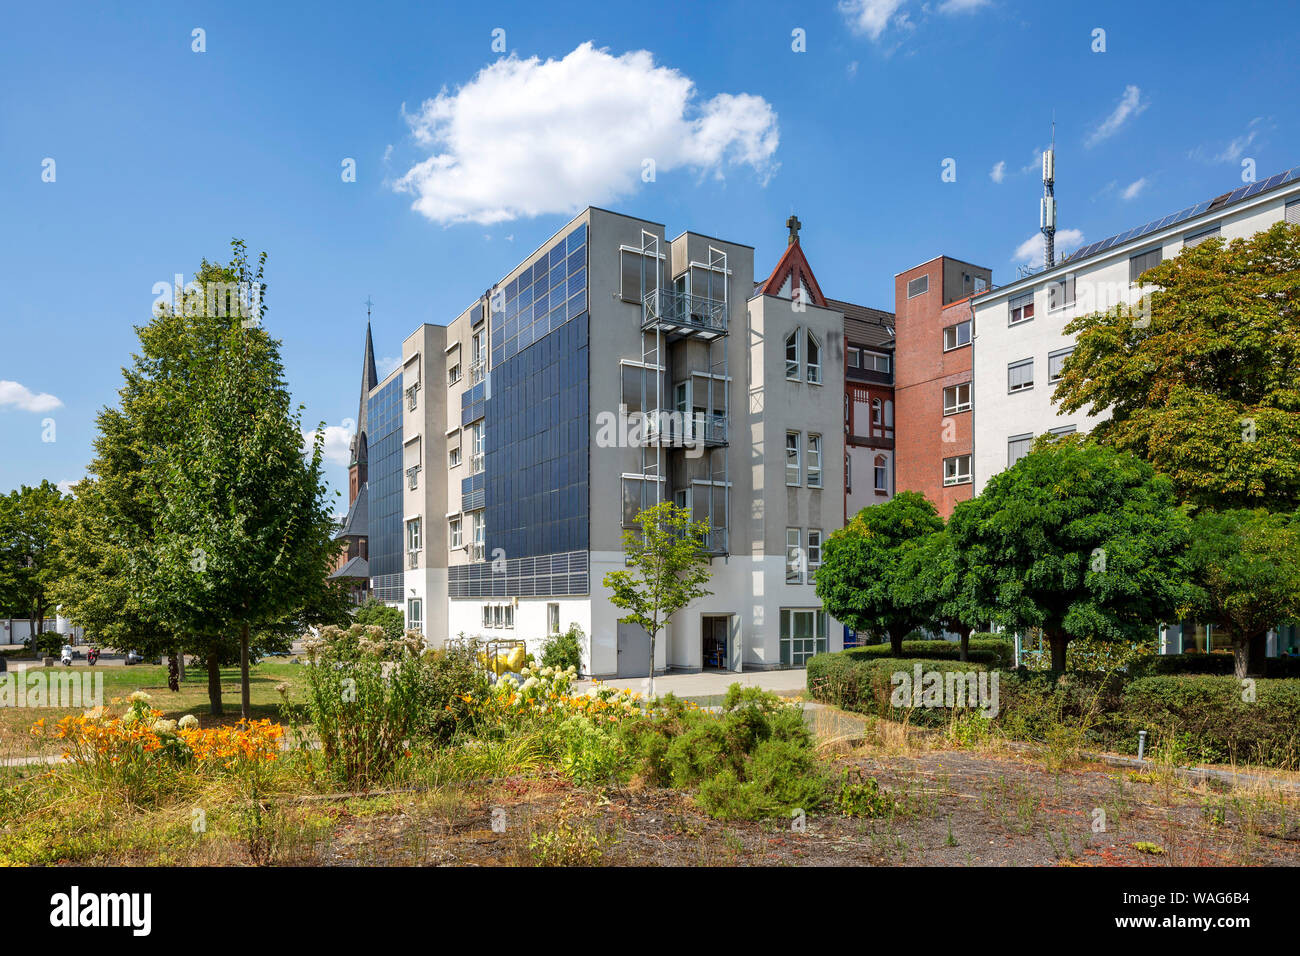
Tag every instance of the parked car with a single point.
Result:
(134, 657)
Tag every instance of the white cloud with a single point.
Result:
(1133, 189)
(530, 137)
(962, 6)
(1030, 252)
(66, 485)
(871, 17)
(1130, 105)
(1235, 149)
(388, 364)
(20, 396)
(338, 441)
(999, 171)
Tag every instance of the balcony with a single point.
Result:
(412, 395)
(412, 560)
(476, 463)
(715, 541)
(413, 477)
(679, 430)
(475, 373)
(683, 314)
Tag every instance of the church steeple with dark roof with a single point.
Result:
(358, 466)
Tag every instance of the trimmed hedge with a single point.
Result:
(1220, 664)
(865, 683)
(990, 650)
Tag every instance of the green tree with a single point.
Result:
(1076, 539)
(1245, 570)
(30, 558)
(668, 568)
(929, 581)
(203, 510)
(859, 577)
(391, 619)
(1205, 385)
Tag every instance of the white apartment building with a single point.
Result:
(1019, 334)
(611, 369)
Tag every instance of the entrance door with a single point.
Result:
(633, 650)
(716, 637)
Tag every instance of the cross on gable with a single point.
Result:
(793, 223)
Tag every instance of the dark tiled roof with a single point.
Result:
(865, 325)
(357, 523)
(355, 568)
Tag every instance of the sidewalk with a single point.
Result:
(711, 683)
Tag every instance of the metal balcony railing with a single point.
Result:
(674, 428)
(412, 394)
(476, 552)
(476, 463)
(475, 373)
(715, 542)
(413, 477)
(412, 560)
(684, 311)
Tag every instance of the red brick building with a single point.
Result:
(933, 379)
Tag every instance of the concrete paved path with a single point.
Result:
(711, 683)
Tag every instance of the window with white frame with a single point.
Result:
(1018, 446)
(1056, 364)
(957, 470)
(487, 615)
(803, 634)
(478, 529)
(453, 531)
(415, 614)
(1060, 293)
(552, 619)
(1292, 212)
(814, 461)
(413, 535)
(509, 611)
(792, 356)
(453, 456)
(877, 413)
(1021, 309)
(854, 358)
(875, 361)
(956, 398)
(814, 363)
(1020, 375)
(794, 556)
(476, 447)
(848, 473)
(881, 475)
(814, 553)
(956, 336)
(793, 469)
(453, 375)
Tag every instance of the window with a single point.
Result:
(476, 458)
(1196, 238)
(794, 557)
(803, 634)
(956, 398)
(956, 471)
(1292, 212)
(415, 615)
(855, 358)
(848, 473)
(509, 613)
(1020, 375)
(814, 361)
(487, 615)
(955, 336)
(1060, 293)
(792, 356)
(453, 456)
(1018, 447)
(453, 531)
(498, 616)
(876, 416)
(792, 469)
(552, 619)
(875, 361)
(814, 461)
(476, 358)
(814, 553)
(478, 530)
(1142, 262)
(640, 274)
(1022, 309)
(453, 375)
(1064, 430)
(413, 535)
(881, 475)
(1056, 363)
(918, 286)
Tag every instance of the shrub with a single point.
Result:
(377, 613)
(447, 678)
(991, 650)
(564, 650)
(865, 683)
(1220, 664)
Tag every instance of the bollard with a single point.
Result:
(1142, 743)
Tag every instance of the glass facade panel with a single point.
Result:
(384, 417)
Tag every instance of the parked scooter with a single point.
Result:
(66, 659)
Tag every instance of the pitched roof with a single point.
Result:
(865, 325)
(369, 379)
(793, 266)
(355, 568)
(357, 523)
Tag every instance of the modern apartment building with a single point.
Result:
(935, 443)
(612, 369)
(1020, 341)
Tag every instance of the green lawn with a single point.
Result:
(192, 698)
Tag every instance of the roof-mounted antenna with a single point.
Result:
(1047, 207)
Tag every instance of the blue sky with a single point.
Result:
(467, 157)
